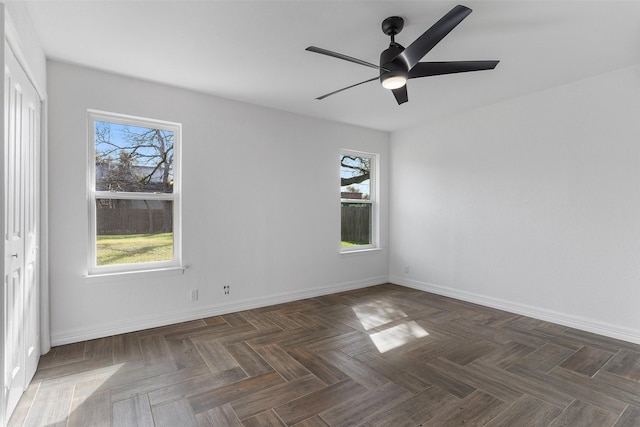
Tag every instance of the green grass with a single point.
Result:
(134, 248)
(343, 243)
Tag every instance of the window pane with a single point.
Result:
(356, 224)
(355, 177)
(133, 158)
(133, 231)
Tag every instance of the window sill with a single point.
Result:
(135, 274)
(360, 251)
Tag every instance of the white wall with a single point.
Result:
(21, 33)
(532, 205)
(260, 207)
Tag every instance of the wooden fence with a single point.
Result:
(356, 223)
(123, 219)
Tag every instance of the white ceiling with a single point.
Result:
(254, 51)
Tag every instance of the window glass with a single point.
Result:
(134, 186)
(355, 177)
(131, 231)
(133, 158)
(356, 201)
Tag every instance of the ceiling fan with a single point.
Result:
(398, 64)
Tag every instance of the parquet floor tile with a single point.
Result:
(384, 356)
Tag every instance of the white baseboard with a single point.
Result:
(69, 336)
(577, 322)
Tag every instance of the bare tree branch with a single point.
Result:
(360, 167)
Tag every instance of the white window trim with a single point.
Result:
(373, 201)
(92, 194)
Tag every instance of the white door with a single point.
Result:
(21, 142)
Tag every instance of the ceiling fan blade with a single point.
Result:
(343, 57)
(423, 44)
(401, 94)
(425, 69)
(345, 88)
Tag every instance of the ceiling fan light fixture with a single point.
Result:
(394, 80)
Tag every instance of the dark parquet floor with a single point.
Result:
(380, 356)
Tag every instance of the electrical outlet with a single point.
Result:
(193, 296)
(226, 289)
(407, 269)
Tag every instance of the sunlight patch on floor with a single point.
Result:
(389, 326)
(377, 314)
(397, 336)
(96, 380)
(76, 396)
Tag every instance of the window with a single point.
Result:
(134, 190)
(358, 201)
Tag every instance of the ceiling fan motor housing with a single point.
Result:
(395, 68)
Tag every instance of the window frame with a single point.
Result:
(93, 195)
(373, 201)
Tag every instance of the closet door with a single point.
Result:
(21, 142)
